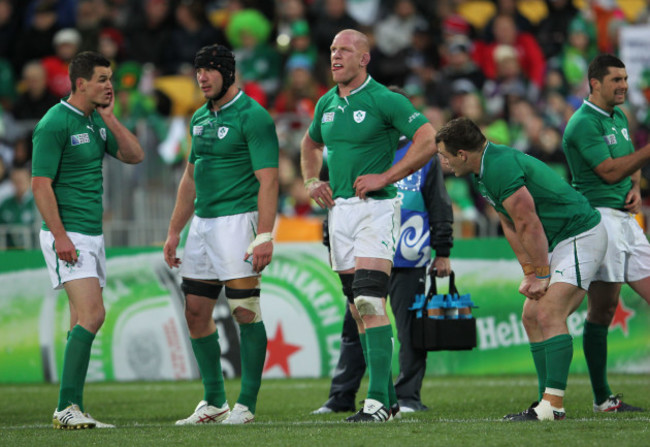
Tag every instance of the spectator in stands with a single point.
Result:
(329, 20)
(552, 30)
(148, 32)
(18, 209)
(301, 91)
(301, 43)
(91, 19)
(577, 52)
(530, 56)
(35, 99)
(66, 44)
(111, 45)
(458, 65)
(507, 8)
(9, 27)
(191, 33)
(35, 41)
(249, 32)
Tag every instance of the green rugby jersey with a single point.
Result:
(591, 136)
(563, 211)
(69, 148)
(228, 146)
(361, 132)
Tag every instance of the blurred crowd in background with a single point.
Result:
(518, 68)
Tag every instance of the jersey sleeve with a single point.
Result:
(585, 138)
(314, 128)
(262, 140)
(192, 157)
(504, 178)
(49, 144)
(401, 113)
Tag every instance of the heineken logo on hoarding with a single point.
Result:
(303, 308)
(621, 317)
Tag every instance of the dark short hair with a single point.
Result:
(83, 66)
(461, 133)
(599, 67)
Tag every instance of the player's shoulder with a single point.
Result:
(54, 118)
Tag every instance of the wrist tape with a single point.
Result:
(261, 238)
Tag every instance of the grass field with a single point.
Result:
(464, 411)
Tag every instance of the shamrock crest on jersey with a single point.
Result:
(222, 132)
(359, 115)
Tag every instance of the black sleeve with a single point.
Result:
(441, 216)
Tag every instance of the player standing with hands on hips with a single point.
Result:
(230, 185)
(360, 122)
(70, 142)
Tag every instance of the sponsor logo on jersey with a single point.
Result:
(610, 139)
(412, 117)
(197, 130)
(102, 133)
(342, 108)
(328, 117)
(80, 138)
(222, 132)
(359, 115)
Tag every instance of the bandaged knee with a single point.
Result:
(244, 305)
(370, 287)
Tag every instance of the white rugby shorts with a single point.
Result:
(91, 259)
(215, 247)
(359, 228)
(628, 249)
(577, 259)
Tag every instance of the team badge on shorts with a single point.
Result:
(222, 132)
(359, 115)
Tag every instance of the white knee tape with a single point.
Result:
(369, 305)
(252, 304)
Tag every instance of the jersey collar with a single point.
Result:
(487, 145)
(361, 87)
(70, 107)
(597, 109)
(232, 101)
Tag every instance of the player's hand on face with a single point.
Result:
(169, 251)
(65, 249)
(107, 110)
(262, 255)
(368, 183)
(321, 193)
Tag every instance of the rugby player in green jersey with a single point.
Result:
(230, 190)
(360, 122)
(557, 237)
(70, 142)
(607, 170)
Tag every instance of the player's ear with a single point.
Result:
(365, 59)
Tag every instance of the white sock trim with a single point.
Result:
(554, 392)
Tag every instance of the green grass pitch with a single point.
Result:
(464, 411)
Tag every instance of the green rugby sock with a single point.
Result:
(380, 354)
(75, 367)
(559, 352)
(208, 356)
(594, 345)
(392, 395)
(539, 359)
(253, 354)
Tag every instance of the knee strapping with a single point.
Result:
(244, 305)
(370, 283)
(199, 288)
(369, 287)
(346, 281)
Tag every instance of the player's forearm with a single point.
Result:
(129, 149)
(311, 161)
(267, 205)
(48, 207)
(184, 207)
(613, 170)
(533, 240)
(420, 152)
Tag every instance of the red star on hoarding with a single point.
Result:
(622, 315)
(279, 352)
